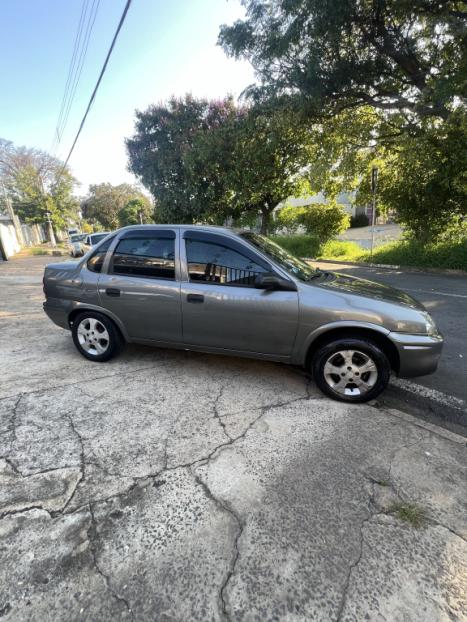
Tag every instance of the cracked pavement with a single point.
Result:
(173, 486)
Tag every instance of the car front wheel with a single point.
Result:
(351, 370)
(96, 337)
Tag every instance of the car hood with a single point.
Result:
(368, 289)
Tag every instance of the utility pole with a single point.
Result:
(374, 185)
(14, 218)
(51, 230)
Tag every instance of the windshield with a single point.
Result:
(78, 237)
(98, 237)
(290, 263)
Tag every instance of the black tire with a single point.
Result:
(114, 342)
(360, 346)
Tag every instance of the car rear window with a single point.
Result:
(150, 256)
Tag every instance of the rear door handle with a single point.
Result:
(112, 291)
(195, 298)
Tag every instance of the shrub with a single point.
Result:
(360, 220)
(412, 253)
(320, 220)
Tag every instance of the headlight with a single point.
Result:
(430, 325)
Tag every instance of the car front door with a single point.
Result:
(222, 309)
(141, 285)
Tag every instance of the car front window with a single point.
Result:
(293, 265)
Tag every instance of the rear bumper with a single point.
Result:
(57, 312)
(418, 354)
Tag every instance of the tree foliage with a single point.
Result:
(425, 181)
(105, 201)
(396, 55)
(208, 160)
(37, 185)
(158, 152)
(136, 212)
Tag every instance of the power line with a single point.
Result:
(71, 67)
(79, 66)
(101, 75)
(76, 67)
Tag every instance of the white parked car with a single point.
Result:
(94, 238)
(84, 242)
(75, 244)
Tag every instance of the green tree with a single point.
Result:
(270, 152)
(425, 181)
(160, 155)
(105, 201)
(38, 185)
(408, 56)
(206, 161)
(136, 212)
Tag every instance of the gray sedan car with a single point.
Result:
(216, 290)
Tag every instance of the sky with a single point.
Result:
(166, 47)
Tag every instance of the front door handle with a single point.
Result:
(195, 298)
(112, 291)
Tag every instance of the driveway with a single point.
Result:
(177, 486)
(362, 235)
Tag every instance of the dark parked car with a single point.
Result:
(217, 290)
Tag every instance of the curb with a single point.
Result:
(362, 264)
(434, 429)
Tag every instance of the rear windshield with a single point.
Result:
(77, 237)
(98, 237)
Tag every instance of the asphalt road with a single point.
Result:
(177, 486)
(442, 395)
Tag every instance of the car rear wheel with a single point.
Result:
(96, 337)
(351, 370)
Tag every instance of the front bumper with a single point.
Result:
(418, 354)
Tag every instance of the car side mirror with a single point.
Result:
(270, 282)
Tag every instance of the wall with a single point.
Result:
(32, 236)
(8, 239)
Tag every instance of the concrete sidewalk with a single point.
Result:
(178, 486)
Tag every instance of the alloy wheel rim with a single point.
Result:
(93, 336)
(350, 373)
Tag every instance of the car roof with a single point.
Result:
(211, 228)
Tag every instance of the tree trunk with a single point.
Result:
(265, 220)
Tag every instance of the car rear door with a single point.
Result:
(221, 307)
(141, 285)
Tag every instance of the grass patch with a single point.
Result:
(448, 255)
(410, 254)
(342, 251)
(39, 251)
(299, 245)
(409, 513)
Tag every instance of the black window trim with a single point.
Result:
(111, 239)
(140, 234)
(228, 242)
